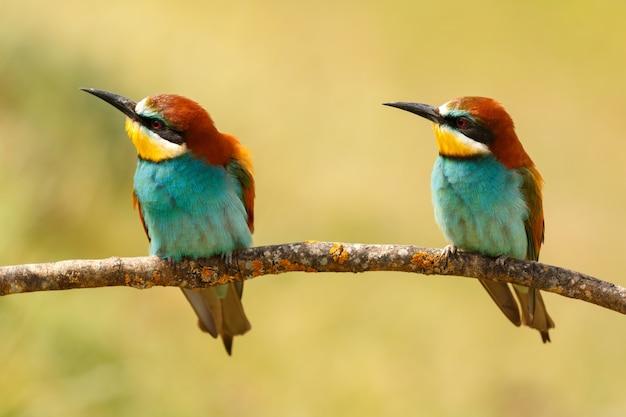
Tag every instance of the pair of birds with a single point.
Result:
(194, 190)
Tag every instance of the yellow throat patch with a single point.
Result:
(455, 144)
(151, 146)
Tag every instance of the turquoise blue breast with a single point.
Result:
(479, 205)
(191, 208)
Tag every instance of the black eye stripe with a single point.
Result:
(163, 130)
(470, 129)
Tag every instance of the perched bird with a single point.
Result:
(487, 195)
(194, 191)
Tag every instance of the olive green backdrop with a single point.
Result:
(300, 83)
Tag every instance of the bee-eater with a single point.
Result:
(487, 195)
(194, 191)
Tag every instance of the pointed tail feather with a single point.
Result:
(501, 294)
(217, 315)
(534, 313)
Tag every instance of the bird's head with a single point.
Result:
(166, 126)
(468, 127)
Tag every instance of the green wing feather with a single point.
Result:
(534, 312)
(534, 224)
(242, 173)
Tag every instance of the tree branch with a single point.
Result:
(145, 272)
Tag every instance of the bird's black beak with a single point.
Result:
(425, 110)
(121, 103)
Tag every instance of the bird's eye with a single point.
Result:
(462, 122)
(156, 124)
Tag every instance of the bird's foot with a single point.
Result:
(446, 252)
(501, 260)
(227, 258)
(171, 262)
(230, 261)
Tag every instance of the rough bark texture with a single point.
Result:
(146, 272)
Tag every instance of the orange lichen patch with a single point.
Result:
(285, 264)
(137, 282)
(206, 274)
(156, 275)
(339, 254)
(258, 268)
(422, 259)
(224, 279)
(288, 266)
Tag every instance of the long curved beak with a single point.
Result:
(425, 110)
(121, 103)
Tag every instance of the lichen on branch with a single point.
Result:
(145, 272)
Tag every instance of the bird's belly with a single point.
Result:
(191, 214)
(479, 206)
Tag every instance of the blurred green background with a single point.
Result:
(300, 83)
